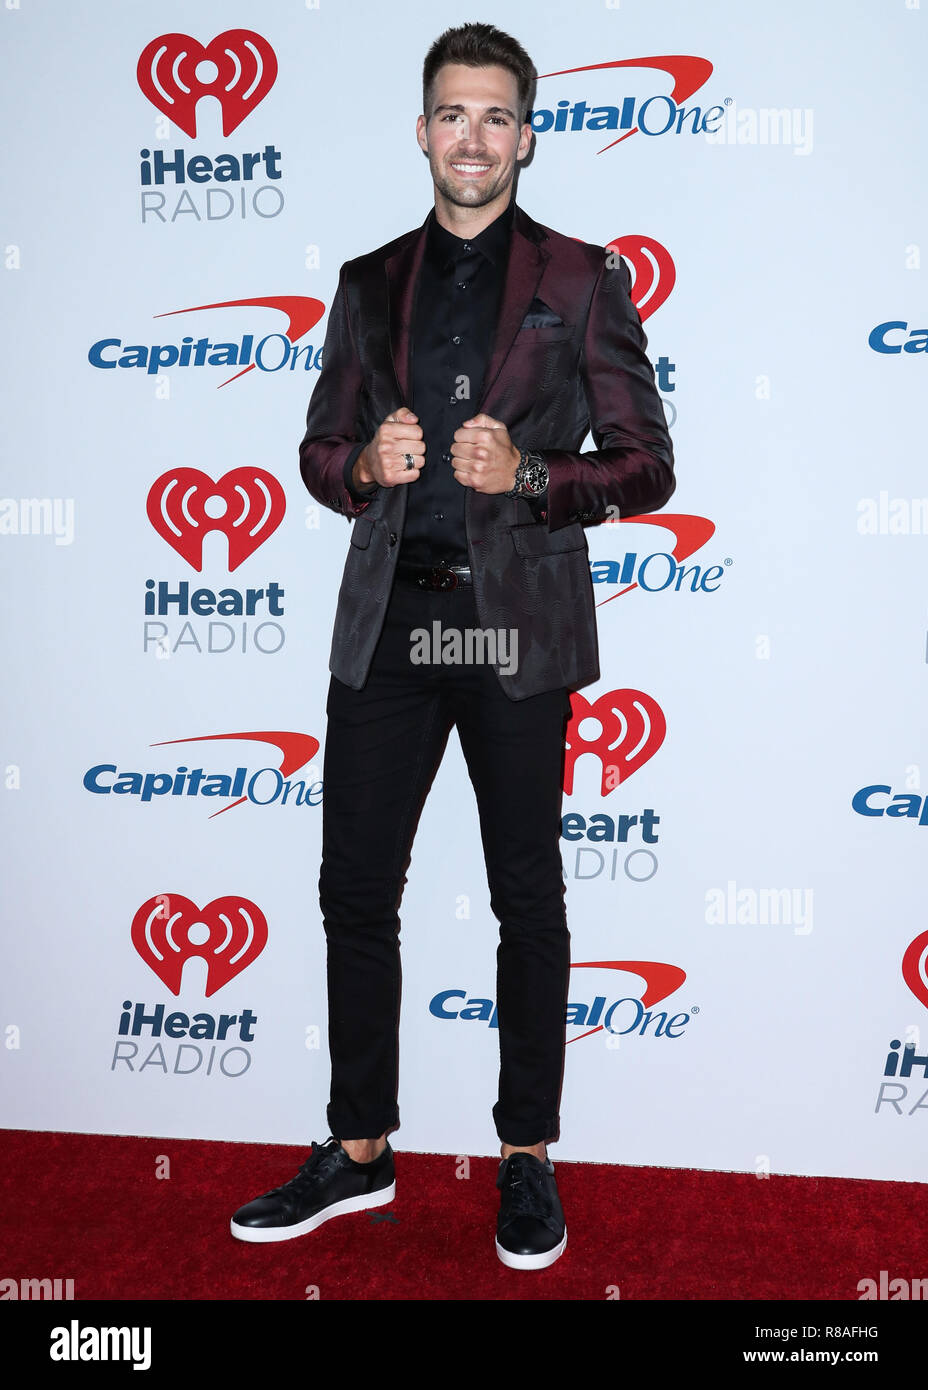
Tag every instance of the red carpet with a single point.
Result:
(91, 1208)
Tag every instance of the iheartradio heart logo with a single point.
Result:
(915, 968)
(171, 76)
(247, 505)
(651, 267)
(631, 729)
(652, 270)
(229, 933)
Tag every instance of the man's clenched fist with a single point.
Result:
(484, 457)
(382, 461)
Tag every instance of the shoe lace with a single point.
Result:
(526, 1190)
(323, 1158)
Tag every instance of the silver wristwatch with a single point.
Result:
(531, 475)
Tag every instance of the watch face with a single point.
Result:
(536, 477)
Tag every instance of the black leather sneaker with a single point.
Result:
(328, 1184)
(530, 1229)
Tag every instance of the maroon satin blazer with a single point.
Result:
(550, 386)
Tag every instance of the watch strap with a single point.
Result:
(527, 460)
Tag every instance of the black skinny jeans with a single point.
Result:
(383, 747)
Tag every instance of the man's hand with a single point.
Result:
(484, 457)
(382, 462)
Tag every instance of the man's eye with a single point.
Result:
(500, 120)
(450, 116)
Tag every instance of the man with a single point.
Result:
(464, 364)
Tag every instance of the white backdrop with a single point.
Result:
(787, 665)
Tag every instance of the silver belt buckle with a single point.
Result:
(443, 577)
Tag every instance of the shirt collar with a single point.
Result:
(444, 248)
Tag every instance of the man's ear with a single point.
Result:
(421, 135)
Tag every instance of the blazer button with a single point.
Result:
(392, 538)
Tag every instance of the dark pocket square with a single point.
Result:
(540, 316)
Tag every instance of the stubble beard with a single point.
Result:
(465, 194)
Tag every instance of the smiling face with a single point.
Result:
(473, 139)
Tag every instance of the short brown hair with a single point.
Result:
(480, 46)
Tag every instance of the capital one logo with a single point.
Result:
(273, 352)
(668, 117)
(623, 729)
(228, 933)
(661, 979)
(626, 1015)
(661, 570)
(915, 968)
(246, 505)
(238, 68)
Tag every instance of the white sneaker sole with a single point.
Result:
(261, 1235)
(547, 1257)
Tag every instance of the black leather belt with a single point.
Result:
(437, 577)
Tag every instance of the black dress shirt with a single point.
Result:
(454, 320)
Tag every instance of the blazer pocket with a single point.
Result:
(361, 529)
(553, 333)
(536, 540)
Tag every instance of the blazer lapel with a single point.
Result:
(526, 266)
(402, 274)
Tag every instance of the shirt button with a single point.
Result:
(462, 284)
(439, 516)
(452, 400)
(456, 340)
(467, 246)
(446, 458)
